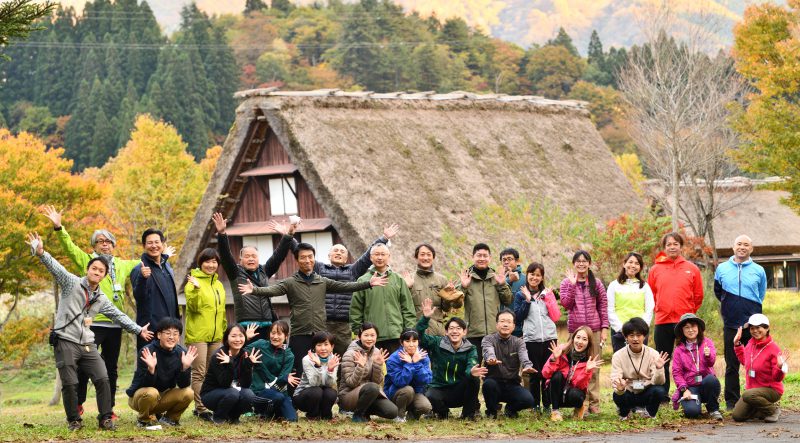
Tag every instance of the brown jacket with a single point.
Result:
(427, 284)
(354, 376)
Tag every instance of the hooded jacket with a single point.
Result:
(537, 316)
(169, 370)
(762, 357)
(78, 302)
(400, 374)
(740, 288)
(449, 365)
(482, 300)
(389, 307)
(205, 309)
(677, 287)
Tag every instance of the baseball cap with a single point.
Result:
(757, 320)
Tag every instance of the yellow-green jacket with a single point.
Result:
(205, 309)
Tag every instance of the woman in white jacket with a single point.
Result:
(628, 296)
(316, 393)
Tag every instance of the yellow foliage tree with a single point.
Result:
(632, 168)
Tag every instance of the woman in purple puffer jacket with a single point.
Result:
(693, 369)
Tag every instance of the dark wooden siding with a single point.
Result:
(254, 205)
(307, 205)
(272, 153)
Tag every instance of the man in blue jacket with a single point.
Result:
(740, 284)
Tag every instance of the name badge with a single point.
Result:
(638, 385)
(752, 373)
(698, 378)
(117, 287)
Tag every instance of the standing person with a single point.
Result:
(72, 339)
(153, 283)
(250, 309)
(306, 293)
(226, 386)
(484, 291)
(536, 308)
(161, 382)
(337, 304)
(205, 320)
(454, 362)
(505, 356)
(740, 284)
(628, 296)
(388, 307)
(316, 393)
(275, 374)
(693, 369)
(362, 375)
(677, 287)
(585, 299)
(107, 334)
(515, 279)
(765, 368)
(568, 372)
(637, 372)
(408, 372)
(426, 283)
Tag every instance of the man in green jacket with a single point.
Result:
(107, 334)
(484, 291)
(306, 293)
(454, 362)
(390, 307)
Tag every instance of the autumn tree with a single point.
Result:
(552, 70)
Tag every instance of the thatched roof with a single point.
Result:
(423, 160)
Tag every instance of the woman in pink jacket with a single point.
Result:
(584, 297)
(765, 368)
(693, 369)
(568, 372)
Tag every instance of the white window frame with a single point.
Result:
(263, 243)
(282, 200)
(322, 241)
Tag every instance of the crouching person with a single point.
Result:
(362, 376)
(226, 387)
(161, 382)
(273, 376)
(637, 372)
(693, 369)
(454, 363)
(408, 372)
(568, 372)
(316, 393)
(504, 355)
(72, 339)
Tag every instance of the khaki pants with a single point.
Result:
(407, 400)
(593, 393)
(205, 352)
(756, 403)
(148, 402)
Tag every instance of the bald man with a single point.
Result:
(740, 284)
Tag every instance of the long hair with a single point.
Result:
(592, 281)
(589, 345)
(623, 276)
(682, 340)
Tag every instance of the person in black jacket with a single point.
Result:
(252, 309)
(226, 388)
(161, 382)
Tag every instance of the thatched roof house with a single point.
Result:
(350, 162)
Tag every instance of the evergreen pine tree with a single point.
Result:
(563, 39)
(80, 128)
(103, 139)
(251, 6)
(284, 6)
(595, 52)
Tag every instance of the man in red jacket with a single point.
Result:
(677, 289)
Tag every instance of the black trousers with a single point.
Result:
(463, 394)
(509, 392)
(538, 353)
(229, 403)
(732, 387)
(109, 342)
(69, 358)
(300, 345)
(664, 336)
(707, 392)
(650, 399)
(316, 402)
(476, 341)
(570, 398)
(389, 345)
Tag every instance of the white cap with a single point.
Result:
(757, 320)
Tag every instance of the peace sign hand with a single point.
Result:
(738, 337)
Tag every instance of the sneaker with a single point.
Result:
(168, 422)
(75, 425)
(359, 419)
(579, 413)
(593, 410)
(108, 424)
(556, 416)
(205, 415)
(399, 419)
(623, 418)
(144, 424)
(643, 413)
(346, 413)
(772, 418)
(716, 415)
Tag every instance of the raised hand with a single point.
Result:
(593, 362)
(391, 230)
(526, 293)
(223, 357)
(255, 356)
(783, 357)
(557, 349)
(35, 242)
(427, 308)
(377, 280)
(292, 380)
(738, 337)
(662, 359)
(219, 222)
(571, 275)
(188, 357)
(246, 288)
(193, 280)
(500, 277)
(360, 358)
(314, 358)
(379, 356)
(478, 371)
(409, 278)
(146, 334)
(149, 358)
(280, 228)
(466, 278)
(619, 383)
(146, 271)
(419, 355)
(50, 212)
(333, 362)
(512, 276)
(250, 331)
(707, 351)
(169, 250)
(405, 357)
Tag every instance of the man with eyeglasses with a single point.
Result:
(515, 279)
(107, 334)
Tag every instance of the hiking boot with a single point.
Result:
(168, 422)
(579, 413)
(205, 415)
(716, 415)
(556, 415)
(359, 418)
(772, 418)
(399, 419)
(144, 424)
(75, 425)
(107, 424)
(114, 416)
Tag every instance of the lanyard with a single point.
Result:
(572, 366)
(752, 358)
(638, 371)
(695, 361)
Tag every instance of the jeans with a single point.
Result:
(463, 394)
(283, 403)
(228, 403)
(707, 392)
(509, 392)
(650, 398)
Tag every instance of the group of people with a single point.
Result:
(411, 357)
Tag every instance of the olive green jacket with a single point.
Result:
(482, 300)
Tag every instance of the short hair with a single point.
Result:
(303, 247)
(531, 269)
(456, 320)
(206, 255)
(510, 251)
(230, 329)
(321, 337)
(169, 323)
(150, 231)
(241, 251)
(424, 245)
(636, 324)
(98, 259)
(409, 334)
(378, 246)
(505, 311)
(672, 235)
(479, 246)
(105, 234)
(282, 325)
(367, 326)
